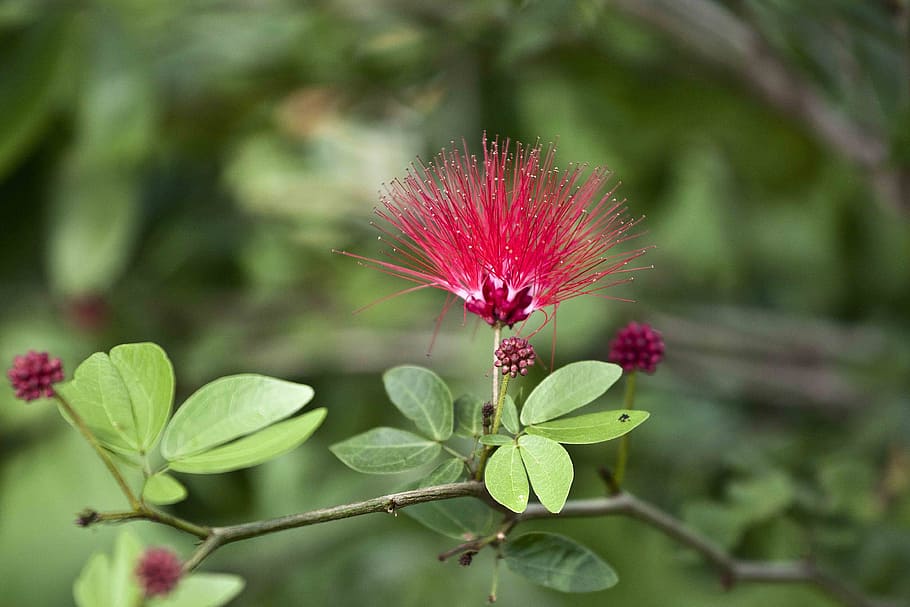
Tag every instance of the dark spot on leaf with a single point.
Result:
(624, 417)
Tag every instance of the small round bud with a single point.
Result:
(158, 571)
(33, 374)
(514, 355)
(637, 347)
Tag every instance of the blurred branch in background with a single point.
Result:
(719, 36)
(777, 359)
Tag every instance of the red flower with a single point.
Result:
(33, 374)
(158, 571)
(509, 235)
(637, 346)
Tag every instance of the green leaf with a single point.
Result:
(567, 389)
(201, 590)
(97, 393)
(462, 518)
(110, 581)
(35, 66)
(423, 398)
(506, 479)
(228, 408)
(94, 221)
(469, 416)
(509, 418)
(255, 448)
(149, 378)
(590, 428)
(91, 587)
(762, 496)
(549, 469)
(558, 562)
(163, 489)
(496, 439)
(385, 451)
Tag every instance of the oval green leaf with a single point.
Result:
(148, 376)
(506, 479)
(462, 518)
(97, 393)
(567, 389)
(163, 489)
(558, 562)
(549, 469)
(495, 440)
(110, 581)
(510, 415)
(385, 451)
(228, 408)
(469, 416)
(253, 449)
(590, 428)
(201, 590)
(422, 397)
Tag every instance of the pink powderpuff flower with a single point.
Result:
(33, 375)
(509, 234)
(158, 571)
(637, 347)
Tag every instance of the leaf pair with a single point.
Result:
(545, 462)
(125, 399)
(537, 457)
(422, 397)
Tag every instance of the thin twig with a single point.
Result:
(719, 35)
(732, 570)
(102, 453)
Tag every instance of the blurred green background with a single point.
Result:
(179, 172)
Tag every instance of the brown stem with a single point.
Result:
(100, 451)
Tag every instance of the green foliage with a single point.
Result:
(201, 590)
(496, 440)
(549, 469)
(462, 518)
(111, 580)
(590, 428)
(510, 415)
(256, 448)
(124, 398)
(228, 408)
(163, 489)
(468, 416)
(385, 451)
(567, 389)
(423, 398)
(533, 458)
(557, 562)
(506, 479)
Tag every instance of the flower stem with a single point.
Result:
(105, 457)
(497, 333)
(623, 456)
(499, 396)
